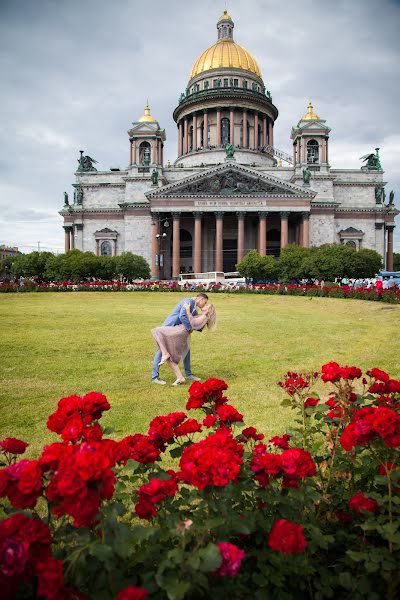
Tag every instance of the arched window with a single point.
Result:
(185, 244)
(225, 133)
(352, 243)
(312, 152)
(144, 154)
(105, 249)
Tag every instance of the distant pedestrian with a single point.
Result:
(21, 282)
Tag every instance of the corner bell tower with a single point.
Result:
(310, 142)
(146, 139)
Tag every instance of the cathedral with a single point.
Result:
(230, 190)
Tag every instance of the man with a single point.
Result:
(179, 317)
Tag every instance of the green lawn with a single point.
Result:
(57, 344)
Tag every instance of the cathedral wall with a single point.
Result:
(137, 236)
(103, 196)
(136, 188)
(367, 226)
(322, 229)
(354, 195)
(323, 187)
(90, 226)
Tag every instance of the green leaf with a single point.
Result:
(346, 580)
(177, 590)
(210, 558)
(104, 554)
(176, 452)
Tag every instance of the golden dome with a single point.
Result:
(147, 116)
(225, 54)
(310, 116)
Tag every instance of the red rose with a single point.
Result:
(287, 537)
(139, 447)
(213, 385)
(228, 414)
(281, 442)
(187, 427)
(51, 578)
(160, 431)
(297, 463)
(309, 402)
(359, 503)
(94, 404)
(209, 420)
(176, 418)
(94, 433)
(13, 557)
(13, 445)
(330, 372)
(232, 557)
(344, 517)
(73, 430)
(378, 374)
(132, 593)
(250, 433)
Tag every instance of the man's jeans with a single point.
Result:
(157, 358)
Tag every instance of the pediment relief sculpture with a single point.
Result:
(228, 184)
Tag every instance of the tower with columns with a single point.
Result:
(230, 190)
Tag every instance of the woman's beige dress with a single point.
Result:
(175, 340)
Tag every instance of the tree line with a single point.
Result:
(325, 262)
(75, 266)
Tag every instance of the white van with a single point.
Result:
(201, 278)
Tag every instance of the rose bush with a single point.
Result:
(204, 507)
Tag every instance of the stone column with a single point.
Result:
(245, 139)
(195, 145)
(256, 140)
(326, 150)
(306, 229)
(240, 245)
(130, 150)
(162, 153)
(197, 266)
(154, 248)
(72, 238)
(154, 152)
(180, 138)
(219, 241)
(205, 134)
(271, 133)
(97, 247)
(294, 154)
(67, 239)
(176, 245)
(218, 144)
(264, 130)
(185, 136)
(232, 126)
(79, 235)
(114, 248)
(134, 152)
(262, 233)
(284, 229)
(389, 252)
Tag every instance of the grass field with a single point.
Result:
(59, 344)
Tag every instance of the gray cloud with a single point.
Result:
(76, 74)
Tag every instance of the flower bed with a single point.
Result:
(313, 513)
(391, 296)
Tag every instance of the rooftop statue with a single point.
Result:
(78, 195)
(372, 161)
(230, 150)
(154, 177)
(86, 163)
(391, 198)
(306, 176)
(66, 203)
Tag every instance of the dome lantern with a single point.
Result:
(225, 27)
(147, 117)
(310, 115)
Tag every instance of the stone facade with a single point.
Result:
(228, 190)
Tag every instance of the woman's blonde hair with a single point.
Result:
(212, 317)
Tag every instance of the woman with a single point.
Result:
(174, 341)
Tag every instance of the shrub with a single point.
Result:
(313, 513)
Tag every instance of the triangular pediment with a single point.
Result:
(144, 128)
(231, 180)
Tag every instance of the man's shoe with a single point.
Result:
(158, 380)
(193, 378)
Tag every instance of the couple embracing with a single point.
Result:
(173, 338)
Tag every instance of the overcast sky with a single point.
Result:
(76, 73)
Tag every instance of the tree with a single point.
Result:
(131, 266)
(333, 261)
(366, 263)
(291, 264)
(31, 265)
(396, 261)
(254, 266)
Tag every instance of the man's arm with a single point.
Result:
(184, 318)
